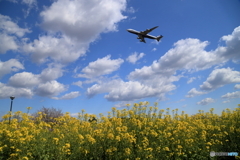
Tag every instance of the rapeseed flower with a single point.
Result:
(118, 138)
(166, 149)
(127, 151)
(110, 136)
(124, 133)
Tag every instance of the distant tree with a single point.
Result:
(49, 114)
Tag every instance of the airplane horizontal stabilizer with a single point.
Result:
(158, 38)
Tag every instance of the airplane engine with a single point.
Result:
(141, 40)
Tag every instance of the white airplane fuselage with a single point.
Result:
(142, 35)
(139, 33)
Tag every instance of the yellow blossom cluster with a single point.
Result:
(140, 132)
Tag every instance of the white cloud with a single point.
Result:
(219, 78)
(9, 34)
(72, 26)
(133, 58)
(7, 43)
(83, 20)
(101, 67)
(7, 91)
(205, 101)
(231, 51)
(9, 27)
(59, 49)
(193, 92)
(78, 83)
(24, 80)
(50, 89)
(188, 54)
(131, 10)
(232, 95)
(31, 4)
(191, 80)
(51, 73)
(237, 86)
(226, 101)
(119, 90)
(30, 80)
(154, 49)
(70, 95)
(43, 84)
(12, 65)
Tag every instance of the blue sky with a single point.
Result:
(77, 54)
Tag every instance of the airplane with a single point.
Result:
(144, 34)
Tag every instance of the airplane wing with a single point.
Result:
(141, 38)
(148, 30)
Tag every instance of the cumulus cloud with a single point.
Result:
(59, 49)
(50, 89)
(7, 43)
(188, 54)
(51, 73)
(69, 17)
(133, 58)
(232, 95)
(12, 65)
(193, 92)
(29, 80)
(43, 84)
(70, 95)
(191, 80)
(9, 34)
(237, 86)
(205, 101)
(24, 80)
(9, 27)
(101, 66)
(7, 91)
(119, 90)
(72, 26)
(78, 83)
(231, 50)
(219, 78)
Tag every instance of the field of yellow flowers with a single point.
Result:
(136, 133)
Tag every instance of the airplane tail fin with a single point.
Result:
(158, 38)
